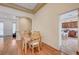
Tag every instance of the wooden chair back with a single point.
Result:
(36, 35)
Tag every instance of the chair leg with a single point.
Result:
(25, 48)
(40, 45)
(38, 48)
(32, 50)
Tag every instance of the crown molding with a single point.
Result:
(17, 7)
(14, 6)
(38, 7)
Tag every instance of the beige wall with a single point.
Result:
(46, 21)
(23, 24)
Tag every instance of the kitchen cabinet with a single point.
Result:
(73, 24)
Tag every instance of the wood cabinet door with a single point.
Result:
(73, 24)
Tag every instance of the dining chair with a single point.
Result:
(25, 40)
(35, 42)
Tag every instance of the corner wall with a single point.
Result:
(46, 21)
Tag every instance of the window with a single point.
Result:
(1, 29)
(14, 27)
(69, 15)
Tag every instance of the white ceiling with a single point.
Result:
(27, 5)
